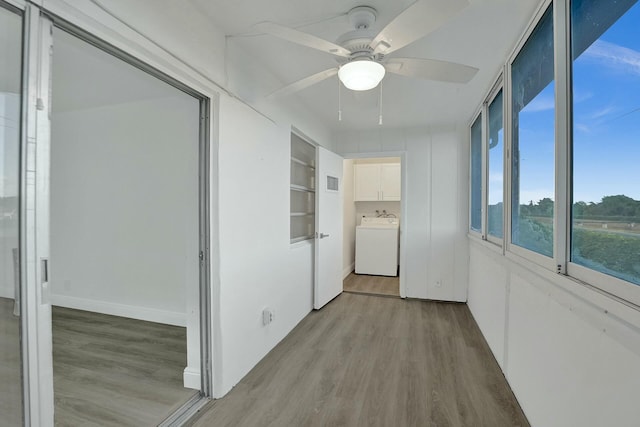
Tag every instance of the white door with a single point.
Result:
(328, 247)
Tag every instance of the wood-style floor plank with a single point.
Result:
(373, 285)
(10, 377)
(115, 371)
(372, 361)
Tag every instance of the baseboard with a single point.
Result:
(347, 271)
(191, 378)
(122, 310)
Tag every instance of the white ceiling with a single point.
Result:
(482, 36)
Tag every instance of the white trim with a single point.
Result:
(543, 261)
(121, 310)
(34, 211)
(191, 378)
(497, 87)
(477, 116)
(20, 4)
(562, 136)
(347, 271)
(618, 288)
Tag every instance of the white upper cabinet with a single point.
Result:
(377, 182)
(390, 187)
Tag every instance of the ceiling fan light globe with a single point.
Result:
(361, 75)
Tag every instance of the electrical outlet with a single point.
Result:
(267, 316)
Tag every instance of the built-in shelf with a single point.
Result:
(302, 188)
(303, 183)
(301, 238)
(303, 163)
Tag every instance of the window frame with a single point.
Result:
(618, 288)
(510, 247)
(560, 263)
(493, 93)
(479, 115)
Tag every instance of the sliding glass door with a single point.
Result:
(10, 119)
(104, 165)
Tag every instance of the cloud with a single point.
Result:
(581, 96)
(605, 111)
(582, 127)
(615, 56)
(541, 103)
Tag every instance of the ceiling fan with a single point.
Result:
(362, 54)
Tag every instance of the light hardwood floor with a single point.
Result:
(372, 361)
(375, 285)
(108, 371)
(10, 380)
(114, 371)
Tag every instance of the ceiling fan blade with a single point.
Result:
(431, 69)
(301, 38)
(415, 22)
(304, 83)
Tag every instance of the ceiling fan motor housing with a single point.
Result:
(362, 17)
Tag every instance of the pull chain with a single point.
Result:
(380, 105)
(339, 101)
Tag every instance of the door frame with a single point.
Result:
(403, 205)
(34, 194)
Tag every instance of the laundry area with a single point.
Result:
(372, 225)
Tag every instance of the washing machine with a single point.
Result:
(377, 246)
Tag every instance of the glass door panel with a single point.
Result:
(10, 107)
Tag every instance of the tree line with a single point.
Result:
(618, 207)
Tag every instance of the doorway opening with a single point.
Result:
(125, 227)
(373, 212)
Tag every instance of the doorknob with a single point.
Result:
(322, 235)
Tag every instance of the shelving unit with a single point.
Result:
(302, 190)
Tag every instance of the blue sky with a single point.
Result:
(606, 121)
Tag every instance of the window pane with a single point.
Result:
(606, 137)
(476, 175)
(533, 162)
(496, 167)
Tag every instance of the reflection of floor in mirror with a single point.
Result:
(115, 371)
(10, 383)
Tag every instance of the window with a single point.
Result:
(302, 193)
(605, 218)
(495, 148)
(533, 141)
(574, 201)
(476, 175)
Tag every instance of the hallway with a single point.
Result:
(371, 361)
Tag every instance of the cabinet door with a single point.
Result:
(367, 182)
(390, 187)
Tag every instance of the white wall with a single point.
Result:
(259, 268)
(570, 354)
(124, 208)
(435, 245)
(348, 220)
